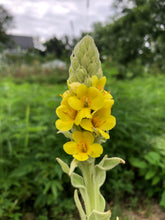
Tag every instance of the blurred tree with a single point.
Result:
(5, 22)
(60, 48)
(137, 32)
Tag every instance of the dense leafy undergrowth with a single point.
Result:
(31, 182)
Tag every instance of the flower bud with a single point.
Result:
(85, 62)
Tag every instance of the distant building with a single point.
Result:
(22, 42)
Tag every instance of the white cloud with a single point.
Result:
(56, 17)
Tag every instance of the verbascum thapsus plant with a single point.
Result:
(85, 118)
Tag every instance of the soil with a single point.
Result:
(151, 213)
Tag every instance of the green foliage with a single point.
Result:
(5, 22)
(152, 167)
(134, 36)
(138, 137)
(60, 48)
(31, 181)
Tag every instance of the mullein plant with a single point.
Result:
(85, 118)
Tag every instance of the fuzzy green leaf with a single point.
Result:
(73, 165)
(109, 163)
(100, 215)
(79, 206)
(63, 165)
(77, 181)
(100, 175)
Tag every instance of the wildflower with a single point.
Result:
(66, 114)
(98, 83)
(85, 100)
(83, 146)
(101, 121)
(86, 110)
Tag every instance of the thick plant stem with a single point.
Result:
(88, 171)
(93, 177)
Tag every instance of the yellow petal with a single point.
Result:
(82, 91)
(98, 83)
(108, 102)
(83, 137)
(102, 113)
(109, 123)
(94, 80)
(88, 137)
(101, 83)
(97, 102)
(92, 92)
(107, 95)
(70, 148)
(95, 150)
(62, 112)
(103, 133)
(83, 113)
(77, 136)
(64, 125)
(75, 103)
(65, 96)
(86, 124)
(81, 156)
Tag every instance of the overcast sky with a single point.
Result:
(46, 18)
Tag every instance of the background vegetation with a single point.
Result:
(32, 185)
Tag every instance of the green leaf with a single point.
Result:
(101, 201)
(79, 206)
(100, 175)
(155, 180)
(73, 165)
(109, 163)
(77, 181)
(138, 163)
(152, 157)
(150, 174)
(162, 202)
(100, 215)
(47, 187)
(63, 165)
(54, 189)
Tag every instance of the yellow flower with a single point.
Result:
(67, 117)
(66, 114)
(98, 83)
(83, 146)
(101, 121)
(85, 100)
